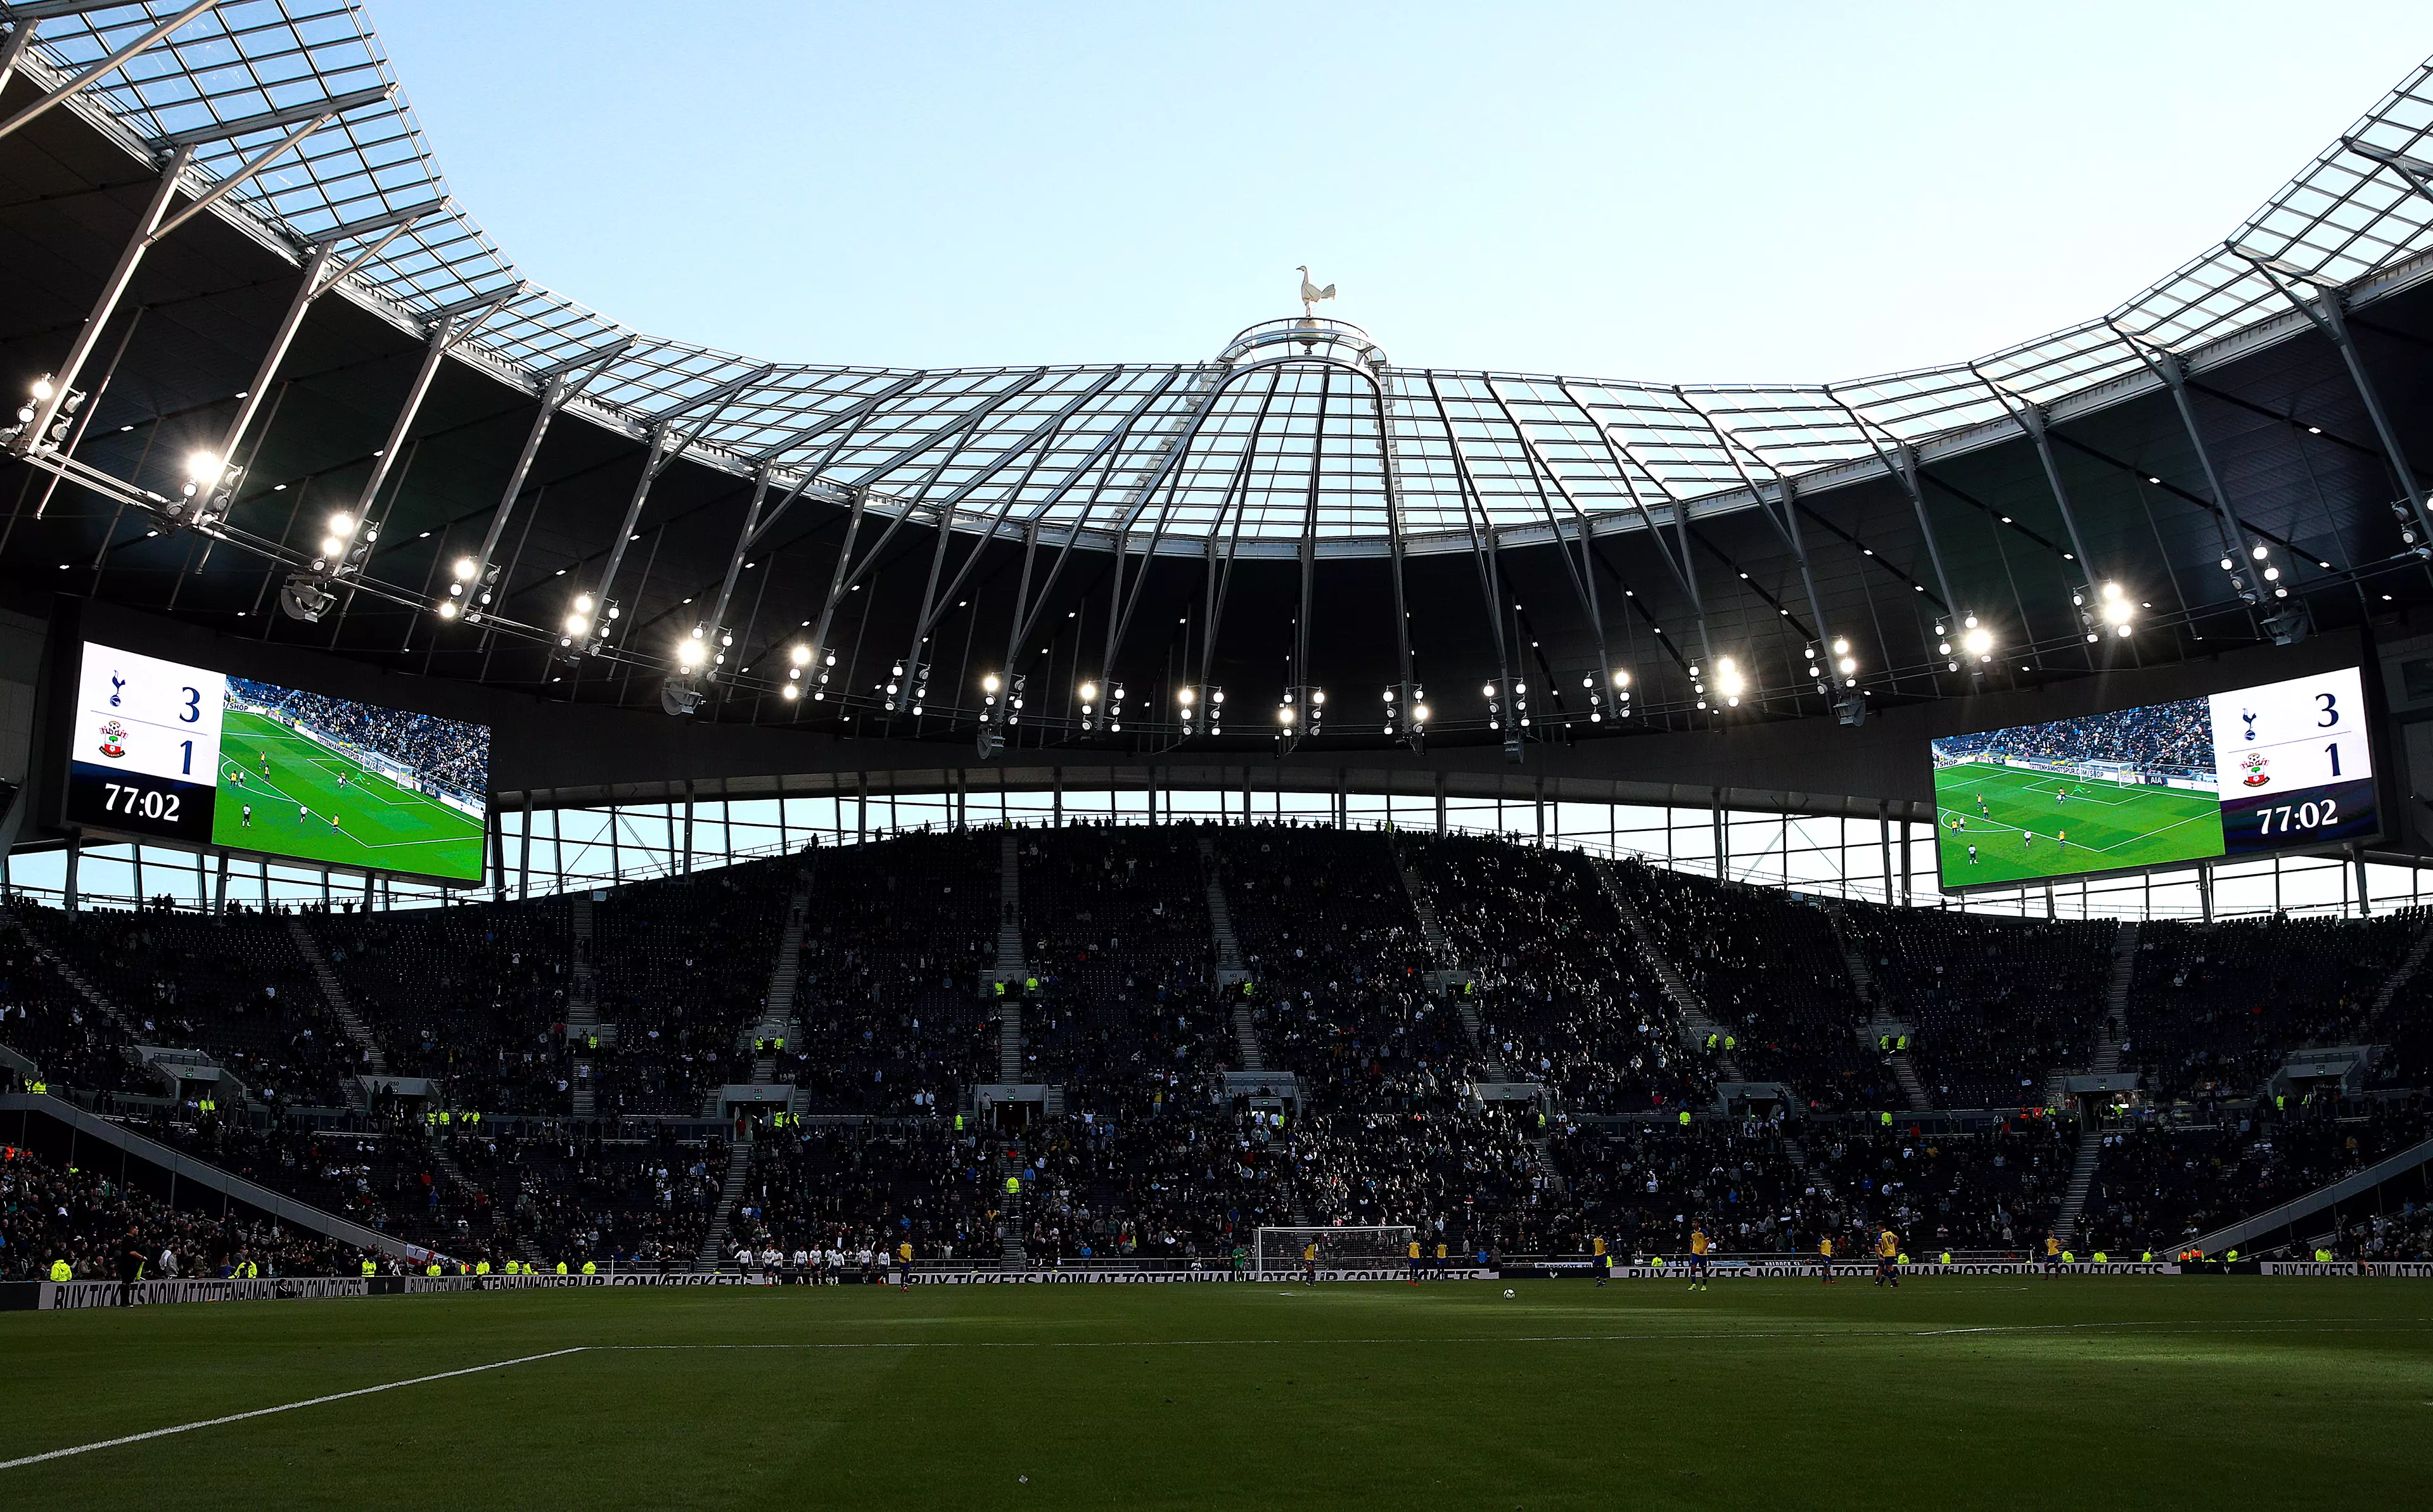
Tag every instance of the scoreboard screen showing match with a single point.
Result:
(167, 752)
(2285, 766)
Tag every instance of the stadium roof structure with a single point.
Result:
(1479, 525)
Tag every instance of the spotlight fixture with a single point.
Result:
(1300, 715)
(210, 489)
(1202, 709)
(1406, 714)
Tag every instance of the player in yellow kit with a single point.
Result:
(1825, 1258)
(1698, 1247)
(1887, 1252)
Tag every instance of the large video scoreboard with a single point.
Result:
(164, 750)
(2278, 767)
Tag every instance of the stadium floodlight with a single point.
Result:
(465, 568)
(63, 418)
(1406, 714)
(1088, 691)
(2417, 546)
(690, 652)
(2117, 610)
(210, 489)
(1729, 681)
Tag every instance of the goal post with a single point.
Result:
(1280, 1250)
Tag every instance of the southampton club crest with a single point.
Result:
(113, 739)
(2254, 762)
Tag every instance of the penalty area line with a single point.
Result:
(287, 1406)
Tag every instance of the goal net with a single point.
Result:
(1281, 1251)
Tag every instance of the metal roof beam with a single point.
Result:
(33, 10)
(369, 223)
(273, 120)
(109, 65)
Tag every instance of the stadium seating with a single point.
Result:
(1147, 1150)
(233, 987)
(1995, 1004)
(1559, 1003)
(681, 969)
(1769, 970)
(2217, 1007)
(901, 944)
(465, 995)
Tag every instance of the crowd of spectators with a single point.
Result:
(1562, 997)
(1151, 1149)
(897, 957)
(447, 754)
(107, 1231)
(2176, 737)
(1769, 970)
(2164, 1182)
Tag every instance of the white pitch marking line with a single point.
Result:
(290, 1406)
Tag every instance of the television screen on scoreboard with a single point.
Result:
(162, 751)
(2285, 766)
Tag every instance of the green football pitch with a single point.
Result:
(302, 808)
(2030, 825)
(1951, 1392)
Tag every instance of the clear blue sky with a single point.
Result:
(1687, 192)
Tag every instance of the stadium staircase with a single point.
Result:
(1230, 969)
(1008, 1042)
(1440, 951)
(1882, 1023)
(1696, 1026)
(74, 979)
(1008, 928)
(2406, 968)
(582, 1007)
(1010, 1224)
(2108, 1039)
(730, 1193)
(777, 1008)
(342, 1007)
(1439, 944)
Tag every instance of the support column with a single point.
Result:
(523, 862)
(1440, 802)
(2364, 901)
(862, 807)
(2205, 891)
(219, 901)
(684, 866)
(1884, 846)
(1056, 819)
(68, 899)
(1722, 833)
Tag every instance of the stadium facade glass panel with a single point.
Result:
(1823, 855)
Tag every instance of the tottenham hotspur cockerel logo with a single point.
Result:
(113, 739)
(2254, 761)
